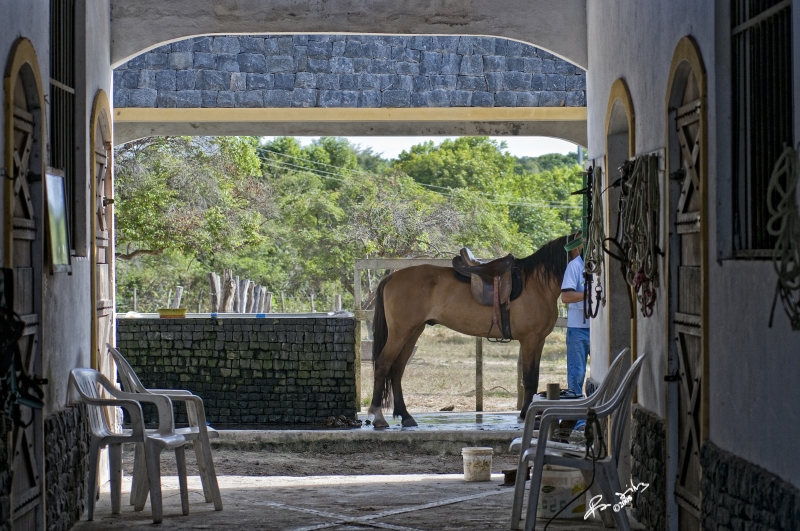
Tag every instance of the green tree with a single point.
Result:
(198, 196)
(474, 162)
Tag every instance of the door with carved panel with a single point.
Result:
(687, 303)
(104, 305)
(26, 439)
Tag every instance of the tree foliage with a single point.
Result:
(295, 218)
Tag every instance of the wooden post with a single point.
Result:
(520, 387)
(313, 308)
(237, 300)
(169, 298)
(176, 302)
(135, 302)
(266, 298)
(337, 303)
(478, 373)
(216, 292)
(228, 292)
(283, 305)
(251, 288)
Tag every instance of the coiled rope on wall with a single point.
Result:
(593, 251)
(638, 228)
(784, 224)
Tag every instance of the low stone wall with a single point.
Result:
(249, 372)
(738, 495)
(5, 475)
(66, 446)
(649, 465)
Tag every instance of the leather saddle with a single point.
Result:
(493, 284)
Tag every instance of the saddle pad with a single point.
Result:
(516, 282)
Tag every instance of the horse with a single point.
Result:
(409, 299)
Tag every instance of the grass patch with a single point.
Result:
(442, 371)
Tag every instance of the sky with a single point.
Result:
(518, 146)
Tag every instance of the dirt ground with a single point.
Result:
(442, 372)
(242, 463)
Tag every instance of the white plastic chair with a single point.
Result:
(617, 408)
(606, 390)
(86, 382)
(197, 432)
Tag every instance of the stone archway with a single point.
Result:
(558, 26)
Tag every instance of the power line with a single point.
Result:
(328, 175)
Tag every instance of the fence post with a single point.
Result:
(337, 303)
(176, 302)
(478, 373)
(135, 302)
(357, 364)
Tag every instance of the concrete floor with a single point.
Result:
(338, 503)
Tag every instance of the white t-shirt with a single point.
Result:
(573, 280)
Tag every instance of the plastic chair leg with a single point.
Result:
(210, 474)
(621, 516)
(115, 467)
(139, 471)
(605, 517)
(91, 487)
(201, 467)
(153, 458)
(519, 491)
(140, 488)
(180, 461)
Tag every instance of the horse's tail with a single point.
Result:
(380, 334)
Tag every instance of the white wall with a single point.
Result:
(66, 320)
(753, 399)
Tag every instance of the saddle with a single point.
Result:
(494, 283)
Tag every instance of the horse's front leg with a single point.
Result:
(397, 370)
(531, 355)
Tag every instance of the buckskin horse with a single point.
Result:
(411, 298)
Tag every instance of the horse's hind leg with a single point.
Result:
(397, 370)
(383, 370)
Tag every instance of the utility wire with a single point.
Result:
(433, 186)
(279, 164)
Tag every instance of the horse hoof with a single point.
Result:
(409, 422)
(380, 424)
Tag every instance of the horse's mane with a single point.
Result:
(548, 263)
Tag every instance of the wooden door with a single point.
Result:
(26, 448)
(104, 307)
(686, 310)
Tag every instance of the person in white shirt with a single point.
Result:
(577, 324)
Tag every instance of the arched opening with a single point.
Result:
(687, 272)
(24, 255)
(620, 142)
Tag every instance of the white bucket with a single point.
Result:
(477, 463)
(559, 486)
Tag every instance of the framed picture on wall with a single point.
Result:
(56, 224)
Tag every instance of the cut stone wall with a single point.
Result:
(348, 71)
(738, 495)
(66, 445)
(649, 465)
(249, 372)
